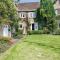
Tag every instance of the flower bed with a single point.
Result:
(5, 43)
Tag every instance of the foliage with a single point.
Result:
(54, 1)
(18, 34)
(36, 32)
(58, 17)
(44, 31)
(8, 13)
(47, 15)
(4, 44)
(57, 32)
(5, 39)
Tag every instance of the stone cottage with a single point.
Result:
(27, 11)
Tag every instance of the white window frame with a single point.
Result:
(22, 15)
(20, 25)
(32, 15)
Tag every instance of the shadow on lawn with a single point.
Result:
(57, 49)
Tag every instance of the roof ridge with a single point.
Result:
(28, 6)
(28, 2)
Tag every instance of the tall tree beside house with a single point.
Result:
(47, 15)
(8, 13)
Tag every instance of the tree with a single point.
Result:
(47, 14)
(8, 13)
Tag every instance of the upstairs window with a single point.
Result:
(32, 15)
(22, 15)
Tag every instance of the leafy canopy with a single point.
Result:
(8, 11)
(46, 14)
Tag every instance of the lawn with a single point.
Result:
(35, 47)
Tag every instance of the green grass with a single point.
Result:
(35, 47)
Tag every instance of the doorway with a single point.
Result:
(33, 26)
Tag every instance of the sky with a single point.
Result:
(23, 1)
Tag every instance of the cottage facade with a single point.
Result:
(27, 11)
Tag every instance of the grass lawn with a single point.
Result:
(35, 47)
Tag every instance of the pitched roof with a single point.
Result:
(28, 6)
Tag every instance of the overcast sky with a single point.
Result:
(22, 1)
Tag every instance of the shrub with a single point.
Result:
(36, 32)
(18, 34)
(4, 39)
(57, 32)
(4, 43)
(46, 30)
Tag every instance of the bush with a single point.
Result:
(57, 32)
(35, 32)
(18, 34)
(4, 44)
(45, 30)
(4, 39)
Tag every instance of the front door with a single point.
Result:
(33, 26)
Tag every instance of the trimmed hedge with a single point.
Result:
(57, 32)
(35, 32)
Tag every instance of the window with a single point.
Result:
(22, 15)
(5, 26)
(34, 15)
(31, 14)
(20, 25)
